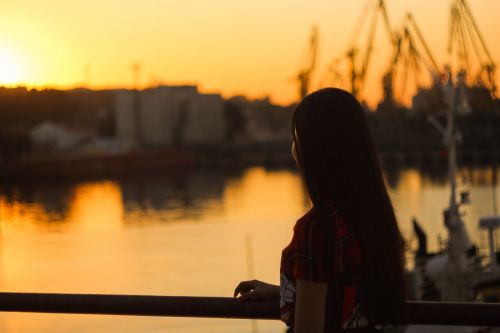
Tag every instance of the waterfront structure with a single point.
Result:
(168, 116)
(124, 117)
(261, 121)
(203, 121)
(48, 137)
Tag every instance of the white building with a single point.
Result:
(51, 137)
(124, 117)
(205, 120)
(168, 115)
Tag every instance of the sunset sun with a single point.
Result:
(10, 69)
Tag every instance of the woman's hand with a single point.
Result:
(255, 289)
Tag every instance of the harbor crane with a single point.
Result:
(412, 62)
(468, 48)
(309, 65)
(358, 72)
(410, 53)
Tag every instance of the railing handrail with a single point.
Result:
(424, 313)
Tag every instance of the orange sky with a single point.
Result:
(228, 46)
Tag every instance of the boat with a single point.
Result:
(459, 272)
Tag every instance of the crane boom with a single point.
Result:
(411, 53)
(387, 23)
(304, 75)
(467, 42)
(358, 71)
(314, 49)
(424, 43)
(476, 28)
(369, 48)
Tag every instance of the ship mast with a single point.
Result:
(452, 279)
(456, 89)
(458, 239)
(451, 145)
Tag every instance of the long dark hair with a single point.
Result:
(337, 159)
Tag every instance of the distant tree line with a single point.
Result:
(22, 109)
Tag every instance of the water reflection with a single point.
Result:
(57, 206)
(192, 196)
(133, 200)
(180, 234)
(95, 206)
(174, 197)
(45, 203)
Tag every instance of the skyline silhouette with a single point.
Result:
(235, 48)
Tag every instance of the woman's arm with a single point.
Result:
(310, 302)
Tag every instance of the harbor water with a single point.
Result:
(195, 233)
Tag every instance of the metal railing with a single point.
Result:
(425, 313)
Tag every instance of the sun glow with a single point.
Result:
(10, 69)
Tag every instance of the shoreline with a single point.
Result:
(182, 160)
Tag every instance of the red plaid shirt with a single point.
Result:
(315, 256)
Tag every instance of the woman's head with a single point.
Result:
(333, 145)
(337, 159)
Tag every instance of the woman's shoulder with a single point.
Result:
(305, 219)
(310, 222)
(306, 222)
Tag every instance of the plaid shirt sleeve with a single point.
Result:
(308, 251)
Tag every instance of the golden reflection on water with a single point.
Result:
(178, 235)
(163, 236)
(95, 206)
(260, 195)
(20, 214)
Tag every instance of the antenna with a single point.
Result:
(86, 75)
(136, 68)
(136, 71)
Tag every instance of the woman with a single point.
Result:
(344, 268)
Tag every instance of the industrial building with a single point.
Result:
(168, 116)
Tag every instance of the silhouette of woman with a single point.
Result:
(343, 270)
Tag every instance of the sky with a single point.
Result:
(233, 47)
